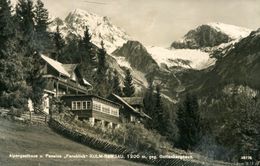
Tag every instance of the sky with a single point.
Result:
(160, 22)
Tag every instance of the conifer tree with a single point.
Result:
(41, 17)
(128, 88)
(6, 24)
(12, 83)
(101, 66)
(25, 21)
(158, 119)
(101, 79)
(189, 123)
(41, 24)
(59, 43)
(149, 103)
(116, 84)
(87, 55)
(36, 82)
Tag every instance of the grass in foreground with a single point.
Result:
(16, 138)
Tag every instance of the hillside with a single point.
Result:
(242, 63)
(18, 138)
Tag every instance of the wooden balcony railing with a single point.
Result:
(67, 82)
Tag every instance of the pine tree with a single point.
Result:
(101, 79)
(189, 123)
(159, 120)
(102, 66)
(116, 84)
(41, 25)
(128, 88)
(59, 43)
(13, 89)
(41, 17)
(87, 55)
(36, 81)
(149, 104)
(6, 24)
(25, 21)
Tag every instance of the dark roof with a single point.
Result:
(91, 96)
(134, 100)
(130, 107)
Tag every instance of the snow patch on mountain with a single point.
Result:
(186, 58)
(122, 62)
(234, 32)
(100, 28)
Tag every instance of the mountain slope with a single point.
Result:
(100, 28)
(23, 139)
(210, 35)
(137, 56)
(182, 58)
(241, 67)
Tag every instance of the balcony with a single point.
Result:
(69, 83)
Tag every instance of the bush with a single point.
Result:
(14, 112)
(136, 137)
(133, 136)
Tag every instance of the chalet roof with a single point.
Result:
(134, 100)
(70, 67)
(56, 65)
(86, 82)
(130, 107)
(64, 69)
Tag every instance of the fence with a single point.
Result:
(39, 118)
(110, 148)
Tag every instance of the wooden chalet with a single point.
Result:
(136, 102)
(131, 109)
(61, 79)
(65, 81)
(94, 108)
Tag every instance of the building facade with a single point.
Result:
(95, 109)
(129, 113)
(61, 79)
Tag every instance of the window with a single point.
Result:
(73, 105)
(96, 107)
(88, 105)
(105, 109)
(84, 105)
(114, 112)
(132, 118)
(78, 105)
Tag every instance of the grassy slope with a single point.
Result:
(17, 138)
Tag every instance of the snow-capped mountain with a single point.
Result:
(174, 68)
(184, 58)
(100, 28)
(211, 35)
(238, 68)
(234, 32)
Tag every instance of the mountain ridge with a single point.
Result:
(199, 51)
(101, 29)
(210, 35)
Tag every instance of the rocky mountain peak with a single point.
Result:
(101, 29)
(211, 35)
(137, 55)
